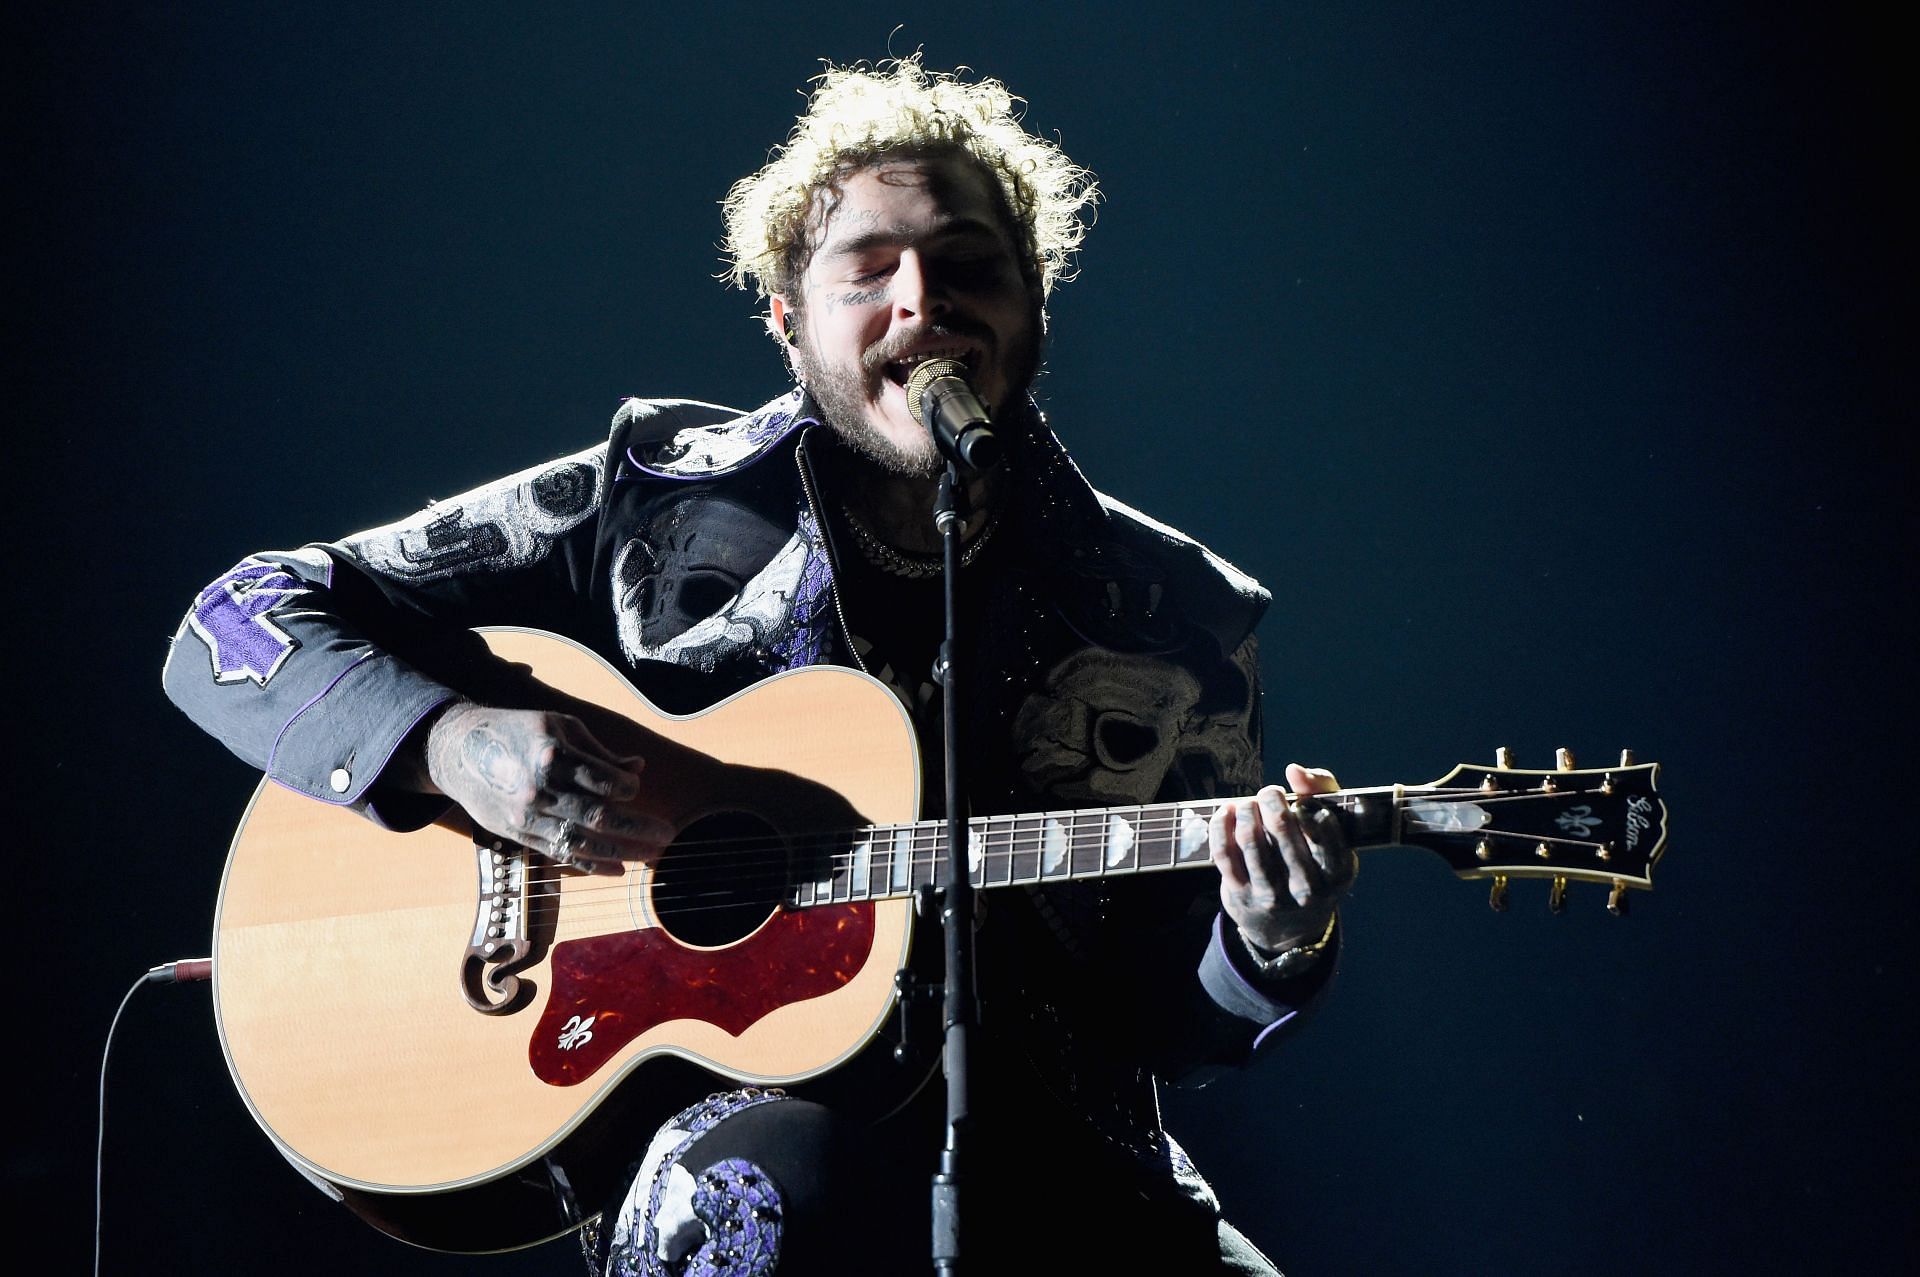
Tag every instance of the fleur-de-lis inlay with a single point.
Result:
(577, 1032)
(1578, 821)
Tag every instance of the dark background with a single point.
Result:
(1539, 357)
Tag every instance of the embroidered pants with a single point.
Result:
(757, 1184)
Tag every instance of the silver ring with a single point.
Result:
(560, 846)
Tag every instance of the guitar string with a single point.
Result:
(774, 861)
(1003, 842)
(762, 865)
(581, 921)
(842, 890)
(586, 915)
(924, 854)
(927, 839)
(1201, 809)
(924, 860)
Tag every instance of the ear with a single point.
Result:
(779, 317)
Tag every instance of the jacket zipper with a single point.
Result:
(826, 542)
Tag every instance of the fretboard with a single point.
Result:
(884, 862)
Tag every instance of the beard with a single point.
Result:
(841, 392)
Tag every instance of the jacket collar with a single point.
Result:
(1049, 484)
(710, 451)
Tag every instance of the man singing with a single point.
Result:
(1109, 660)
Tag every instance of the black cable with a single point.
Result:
(165, 973)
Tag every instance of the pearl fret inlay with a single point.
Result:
(1193, 835)
(900, 866)
(1053, 846)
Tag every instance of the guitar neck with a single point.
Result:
(887, 862)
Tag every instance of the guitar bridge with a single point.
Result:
(500, 945)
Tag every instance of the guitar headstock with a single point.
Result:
(1564, 824)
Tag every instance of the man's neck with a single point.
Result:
(899, 508)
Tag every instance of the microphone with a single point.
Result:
(940, 399)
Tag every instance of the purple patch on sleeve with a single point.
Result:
(231, 616)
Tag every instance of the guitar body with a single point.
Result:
(449, 1102)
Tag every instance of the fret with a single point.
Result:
(942, 866)
(1024, 865)
(830, 878)
(926, 850)
(1154, 841)
(876, 876)
(994, 834)
(1190, 832)
(865, 870)
(1086, 843)
(1053, 849)
(900, 862)
(1121, 838)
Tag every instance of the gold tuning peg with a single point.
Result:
(1563, 759)
(1617, 899)
(1503, 757)
(1557, 897)
(1626, 758)
(1497, 898)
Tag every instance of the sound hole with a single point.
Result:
(722, 878)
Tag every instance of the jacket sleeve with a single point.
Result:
(315, 664)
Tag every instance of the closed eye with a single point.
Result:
(974, 272)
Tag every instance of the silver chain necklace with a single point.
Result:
(916, 567)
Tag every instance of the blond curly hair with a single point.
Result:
(858, 115)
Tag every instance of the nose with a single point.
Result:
(917, 292)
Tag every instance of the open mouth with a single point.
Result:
(897, 371)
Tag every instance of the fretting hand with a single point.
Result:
(1283, 869)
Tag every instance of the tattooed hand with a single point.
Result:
(525, 774)
(1283, 869)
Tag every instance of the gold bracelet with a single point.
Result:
(1288, 962)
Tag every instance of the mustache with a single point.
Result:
(962, 329)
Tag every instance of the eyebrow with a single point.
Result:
(958, 228)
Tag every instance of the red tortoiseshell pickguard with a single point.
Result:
(610, 989)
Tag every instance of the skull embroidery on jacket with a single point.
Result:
(707, 579)
(1111, 727)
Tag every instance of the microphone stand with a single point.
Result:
(959, 1010)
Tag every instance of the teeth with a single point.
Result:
(910, 360)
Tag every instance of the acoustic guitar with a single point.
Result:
(438, 1026)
